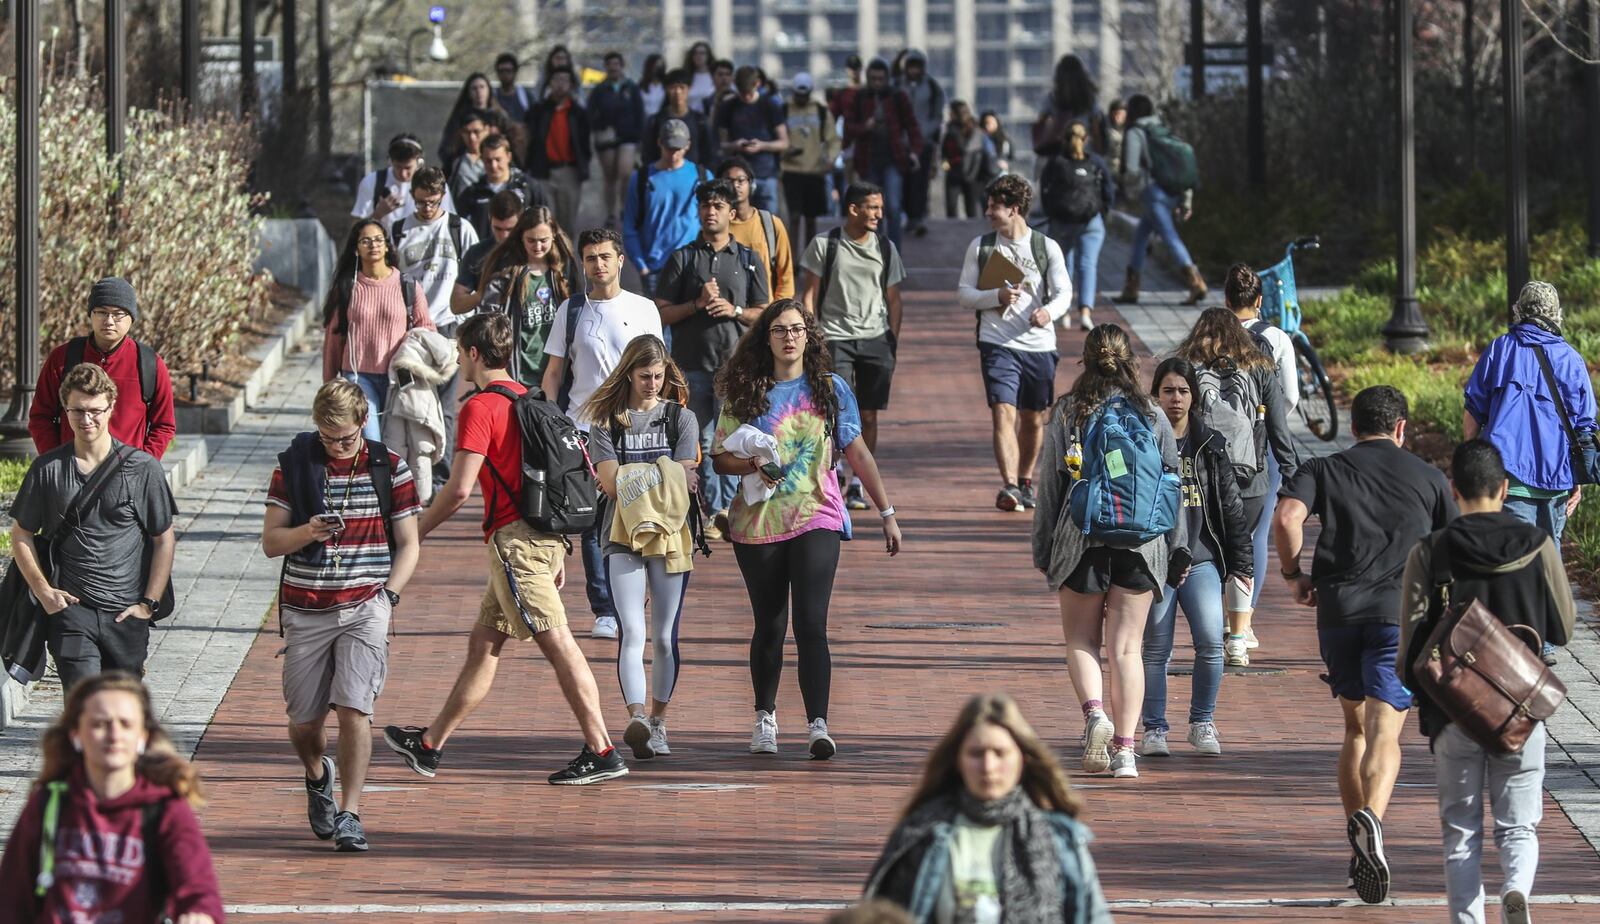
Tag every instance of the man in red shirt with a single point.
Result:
(147, 425)
(560, 147)
(527, 569)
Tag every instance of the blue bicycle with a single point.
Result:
(1280, 305)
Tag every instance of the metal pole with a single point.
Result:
(1591, 85)
(1406, 331)
(116, 82)
(291, 52)
(25, 14)
(248, 93)
(1197, 54)
(1256, 130)
(324, 85)
(190, 27)
(1516, 153)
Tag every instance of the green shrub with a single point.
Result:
(184, 237)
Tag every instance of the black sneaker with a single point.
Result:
(352, 837)
(855, 498)
(1030, 500)
(407, 742)
(1372, 867)
(320, 807)
(589, 767)
(1009, 498)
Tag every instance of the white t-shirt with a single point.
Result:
(1012, 327)
(364, 197)
(429, 256)
(605, 328)
(1283, 355)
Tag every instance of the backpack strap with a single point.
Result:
(1041, 259)
(488, 504)
(383, 486)
(1442, 575)
(574, 310)
(48, 828)
(394, 232)
(1555, 396)
(769, 229)
(454, 226)
(747, 258)
(155, 870)
(73, 359)
(829, 257)
(408, 294)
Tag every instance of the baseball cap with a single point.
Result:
(804, 83)
(674, 134)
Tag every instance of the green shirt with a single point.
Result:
(533, 320)
(854, 307)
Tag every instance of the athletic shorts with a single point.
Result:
(1102, 568)
(521, 600)
(1018, 377)
(806, 193)
(867, 366)
(335, 658)
(1361, 663)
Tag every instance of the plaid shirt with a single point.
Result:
(905, 138)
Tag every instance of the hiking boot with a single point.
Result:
(589, 767)
(637, 736)
(604, 627)
(1124, 766)
(350, 837)
(1130, 290)
(1154, 743)
(1030, 498)
(1096, 735)
(407, 742)
(1009, 498)
(820, 743)
(1196, 283)
(764, 739)
(1372, 867)
(1203, 736)
(320, 807)
(1514, 907)
(854, 497)
(658, 735)
(1236, 651)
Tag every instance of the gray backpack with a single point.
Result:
(1230, 403)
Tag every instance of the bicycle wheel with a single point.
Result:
(1316, 392)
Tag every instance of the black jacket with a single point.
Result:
(1513, 567)
(1223, 507)
(473, 203)
(537, 160)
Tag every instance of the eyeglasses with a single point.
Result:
(88, 413)
(339, 441)
(795, 332)
(371, 241)
(738, 180)
(428, 205)
(110, 314)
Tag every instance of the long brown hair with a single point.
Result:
(160, 763)
(1218, 335)
(962, 118)
(512, 252)
(609, 403)
(1042, 777)
(747, 376)
(1110, 368)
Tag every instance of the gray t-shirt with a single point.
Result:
(644, 440)
(102, 561)
(854, 307)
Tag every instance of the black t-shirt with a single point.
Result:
(471, 263)
(700, 342)
(1194, 507)
(758, 120)
(1375, 501)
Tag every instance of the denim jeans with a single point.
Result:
(1157, 218)
(764, 193)
(595, 583)
(1549, 514)
(1263, 528)
(716, 491)
(1201, 598)
(1080, 245)
(1515, 784)
(376, 387)
(917, 191)
(888, 176)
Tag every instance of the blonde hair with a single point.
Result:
(160, 763)
(88, 379)
(1042, 777)
(609, 404)
(339, 402)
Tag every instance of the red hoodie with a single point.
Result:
(100, 859)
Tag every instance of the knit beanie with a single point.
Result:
(114, 292)
(1538, 304)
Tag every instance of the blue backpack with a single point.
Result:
(1123, 493)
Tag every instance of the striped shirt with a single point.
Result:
(356, 563)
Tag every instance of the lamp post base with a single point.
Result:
(1406, 333)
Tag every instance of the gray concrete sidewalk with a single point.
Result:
(223, 584)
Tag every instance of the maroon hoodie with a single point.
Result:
(100, 859)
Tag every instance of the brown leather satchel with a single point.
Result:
(1484, 677)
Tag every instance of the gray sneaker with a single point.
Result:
(320, 807)
(637, 736)
(1154, 743)
(1203, 735)
(658, 735)
(352, 838)
(764, 738)
(1097, 731)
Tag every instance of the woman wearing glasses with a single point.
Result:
(785, 416)
(369, 308)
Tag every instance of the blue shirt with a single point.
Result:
(1509, 399)
(669, 220)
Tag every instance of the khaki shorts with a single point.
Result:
(521, 599)
(335, 658)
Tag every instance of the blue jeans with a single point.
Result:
(894, 187)
(595, 583)
(716, 491)
(1263, 527)
(1549, 514)
(376, 387)
(1157, 218)
(1201, 598)
(764, 193)
(1080, 245)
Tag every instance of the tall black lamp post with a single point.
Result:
(1197, 46)
(248, 91)
(1406, 331)
(1516, 152)
(25, 35)
(116, 82)
(190, 26)
(1254, 61)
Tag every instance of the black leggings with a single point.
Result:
(802, 567)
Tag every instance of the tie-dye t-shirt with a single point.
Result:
(808, 496)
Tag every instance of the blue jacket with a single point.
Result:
(1509, 399)
(617, 106)
(668, 218)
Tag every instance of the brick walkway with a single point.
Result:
(490, 841)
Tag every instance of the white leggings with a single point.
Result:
(631, 576)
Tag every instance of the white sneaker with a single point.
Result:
(1236, 652)
(604, 627)
(1085, 320)
(821, 745)
(764, 740)
(1203, 735)
(1123, 765)
(1154, 743)
(1250, 639)
(637, 736)
(1096, 735)
(658, 735)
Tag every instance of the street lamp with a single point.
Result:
(436, 49)
(1406, 331)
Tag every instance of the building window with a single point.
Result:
(892, 19)
(697, 24)
(1086, 21)
(1035, 23)
(746, 19)
(994, 63)
(994, 28)
(842, 27)
(941, 20)
(1035, 62)
(997, 98)
(942, 63)
(792, 63)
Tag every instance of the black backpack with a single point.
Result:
(1071, 191)
(558, 484)
(148, 374)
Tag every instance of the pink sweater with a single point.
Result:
(377, 325)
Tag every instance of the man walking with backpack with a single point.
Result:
(658, 213)
(527, 568)
(1513, 568)
(813, 147)
(759, 229)
(928, 103)
(1159, 169)
(1375, 501)
(340, 512)
(881, 125)
(1016, 339)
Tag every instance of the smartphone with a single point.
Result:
(773, 471)
(334, 520)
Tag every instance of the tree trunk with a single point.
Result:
(80, 39)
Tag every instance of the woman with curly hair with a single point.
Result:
(991, 832)
(109, 831)
(785, 416)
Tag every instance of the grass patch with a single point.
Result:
(11, 472)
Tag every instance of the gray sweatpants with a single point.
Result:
(1516, 800)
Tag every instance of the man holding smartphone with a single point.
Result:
(342, 511)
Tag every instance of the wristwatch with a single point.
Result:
(738, 312)
(394, 598)
(1296, 574)
(151, 603)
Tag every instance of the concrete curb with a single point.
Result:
(270, 356)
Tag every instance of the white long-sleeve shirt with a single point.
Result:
(1283, 357)
(1012, 327)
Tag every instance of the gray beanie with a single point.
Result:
(1540, 304)
(114, 292)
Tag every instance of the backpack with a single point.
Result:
(1041, 259)
(769, 231)
(148, 375)
(558, 483)
(1071, 191)
(1123, 493)
(1172, 162)
(455, 236)
(1230, 403)
(832, 254)
(1258, 334)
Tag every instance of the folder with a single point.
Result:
(999, 271)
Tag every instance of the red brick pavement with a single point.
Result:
(1260, 822)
